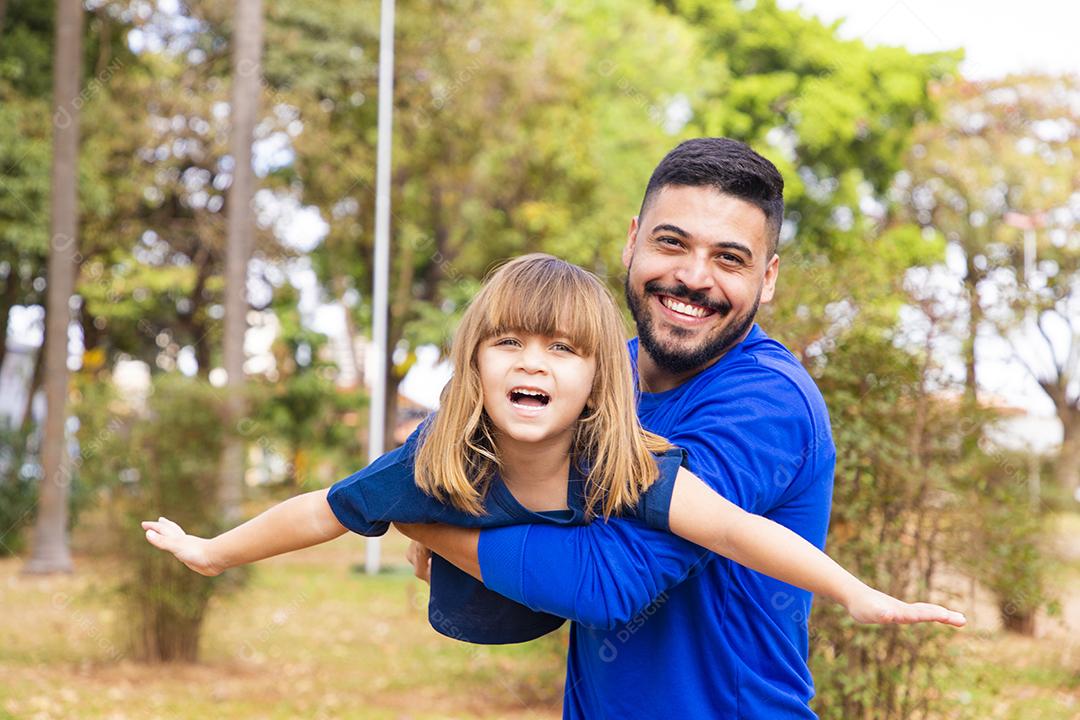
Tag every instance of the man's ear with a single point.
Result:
(631, 240)
(768, 287)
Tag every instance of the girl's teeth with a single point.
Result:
(528, 398)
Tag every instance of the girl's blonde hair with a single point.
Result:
(543, 295)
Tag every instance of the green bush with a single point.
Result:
(19, 474)
(899, 448)
(153, 461)
(1003, 540)
(304, 418)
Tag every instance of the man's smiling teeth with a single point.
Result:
(683, 308)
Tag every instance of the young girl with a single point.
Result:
(537, 424)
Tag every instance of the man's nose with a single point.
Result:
(694, 272)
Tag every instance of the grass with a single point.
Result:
(310, 637)
(1014, 678)
(1001, 676)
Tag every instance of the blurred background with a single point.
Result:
(187, 227)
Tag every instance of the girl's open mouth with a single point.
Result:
(528, 398)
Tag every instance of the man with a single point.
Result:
(663, 628)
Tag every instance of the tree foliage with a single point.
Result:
(524, 126)
(1000, 163)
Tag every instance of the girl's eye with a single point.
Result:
(562, 347)
(507, 341)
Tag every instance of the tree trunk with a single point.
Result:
(10, 295)
(50, 551)
(197, 330)
(247, 76)
(202, 348)
(1067, 467)
(971, 287)
(35, 385)
(1017, 620)
(392, 381)
(104, 43)
(91, 335)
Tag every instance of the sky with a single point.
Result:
(998, 37)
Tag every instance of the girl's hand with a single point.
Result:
(420, 557)
(188, 549)
(873, 606)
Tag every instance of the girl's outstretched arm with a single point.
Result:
(701, 515)
(299, 522)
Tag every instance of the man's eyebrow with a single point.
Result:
(728, 245)
(722, 245)
(665, 227)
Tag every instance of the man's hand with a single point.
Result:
(874, 606)
(420, 557)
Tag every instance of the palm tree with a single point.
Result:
(247, 77)
(50, 552)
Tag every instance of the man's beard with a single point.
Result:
(681, 359)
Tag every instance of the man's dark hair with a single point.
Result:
(731, 168)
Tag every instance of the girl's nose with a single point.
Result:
(532, 358)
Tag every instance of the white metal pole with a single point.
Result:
(1029, 255)
(376, 439)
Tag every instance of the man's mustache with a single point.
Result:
(694, 297)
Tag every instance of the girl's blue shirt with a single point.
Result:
(460, 607)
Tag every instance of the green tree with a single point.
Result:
(26, 65)
(504, 143)
(836, 117)
(1004, 154)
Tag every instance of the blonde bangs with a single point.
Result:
(542, 298)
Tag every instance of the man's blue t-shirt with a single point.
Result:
(460, 606)
(664, 628)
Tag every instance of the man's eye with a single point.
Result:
(729, 258)
(669, 241)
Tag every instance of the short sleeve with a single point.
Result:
(385, 491)
(655, 503)
(751, 446)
